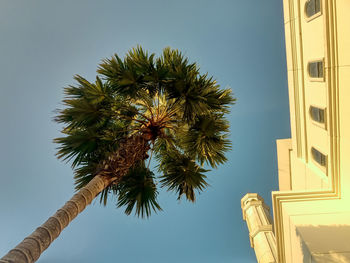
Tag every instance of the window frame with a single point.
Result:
(323, 168)
(320, 124)
(313, 79)
(310, 18)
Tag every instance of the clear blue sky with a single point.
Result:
(44, 43)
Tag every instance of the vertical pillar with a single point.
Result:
(257, 215)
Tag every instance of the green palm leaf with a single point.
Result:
(182, 175)
(138, 190)
(207, 139)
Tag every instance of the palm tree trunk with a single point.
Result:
(30, 249)
(132, 150)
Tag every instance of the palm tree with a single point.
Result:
(137, 108)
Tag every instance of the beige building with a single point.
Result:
(311, 210)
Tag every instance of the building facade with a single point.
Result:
(311, 210)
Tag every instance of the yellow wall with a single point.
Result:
(311, 211)
(284, 146)
(306, 41)
(343, 32)
(312, 220)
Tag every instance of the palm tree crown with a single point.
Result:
(139, 107)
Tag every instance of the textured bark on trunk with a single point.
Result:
(131, 151)
(30, 249)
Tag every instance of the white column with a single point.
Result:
(257, 215)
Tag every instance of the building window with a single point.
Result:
(315, 69)
(312, 7)
(320, 158)
(317, 114)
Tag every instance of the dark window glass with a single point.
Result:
(317, 114)
(312, 7)
(317, 6)
(318, 157)
(315, 69)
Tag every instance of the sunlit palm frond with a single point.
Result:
(207, 139)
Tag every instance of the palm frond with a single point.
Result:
(84, 174)
(196, 93)
(78, 144)
(137, 190)
(86, 104)
(207, 139)
(182, 175)
(215, 99)
(136, 73)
